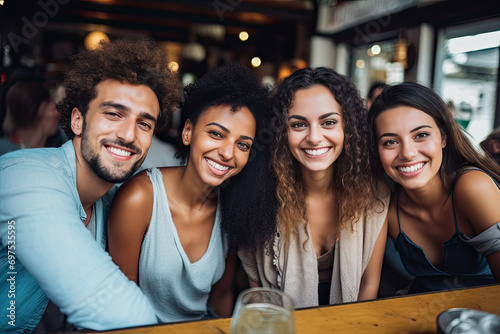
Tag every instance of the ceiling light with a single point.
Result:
(243, 36)
(376, 49)
(93, 39)
(256, 62)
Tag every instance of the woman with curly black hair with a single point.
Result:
(327, 239)
(164, 225)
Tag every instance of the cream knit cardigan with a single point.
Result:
(295, 270)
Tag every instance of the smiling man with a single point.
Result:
(53, 202)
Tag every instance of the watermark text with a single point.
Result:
(11, 272)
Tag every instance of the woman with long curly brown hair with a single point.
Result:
(329, 232)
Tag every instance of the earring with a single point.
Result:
(186, 142)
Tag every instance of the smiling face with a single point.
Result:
(315, 128)
(117, 130)
(220, 143)
(410, 146)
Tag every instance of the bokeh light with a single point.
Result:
(93, 38)
(360, 63)
(173, 66)
(243, 36)
(256, 62)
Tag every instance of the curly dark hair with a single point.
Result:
(231, 84)
(354, 184)
(235, 85)
(139, 62)
(459, 153)
(248, 199)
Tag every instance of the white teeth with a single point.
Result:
(117, 151)
(320, 151)
(411, 169)
(216, 165)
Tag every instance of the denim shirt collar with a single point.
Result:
(69, 151)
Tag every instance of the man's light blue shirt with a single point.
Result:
(47, 252)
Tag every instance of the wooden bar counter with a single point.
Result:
(410, 314)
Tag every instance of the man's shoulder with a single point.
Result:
(44, 168)
(32, 157)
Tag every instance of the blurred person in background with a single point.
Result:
(162, 150)
(31, 117)
(491, 144)
(374, 91)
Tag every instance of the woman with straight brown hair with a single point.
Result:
(444, 215)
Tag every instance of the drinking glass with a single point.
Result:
(263, 311)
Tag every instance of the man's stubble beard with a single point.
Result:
(107, 174)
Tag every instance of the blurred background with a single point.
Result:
(452, 46)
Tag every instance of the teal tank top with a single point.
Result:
(461, 264)
(177, 288)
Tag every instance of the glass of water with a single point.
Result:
(263, 311)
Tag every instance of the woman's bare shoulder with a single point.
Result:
(135, 194)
